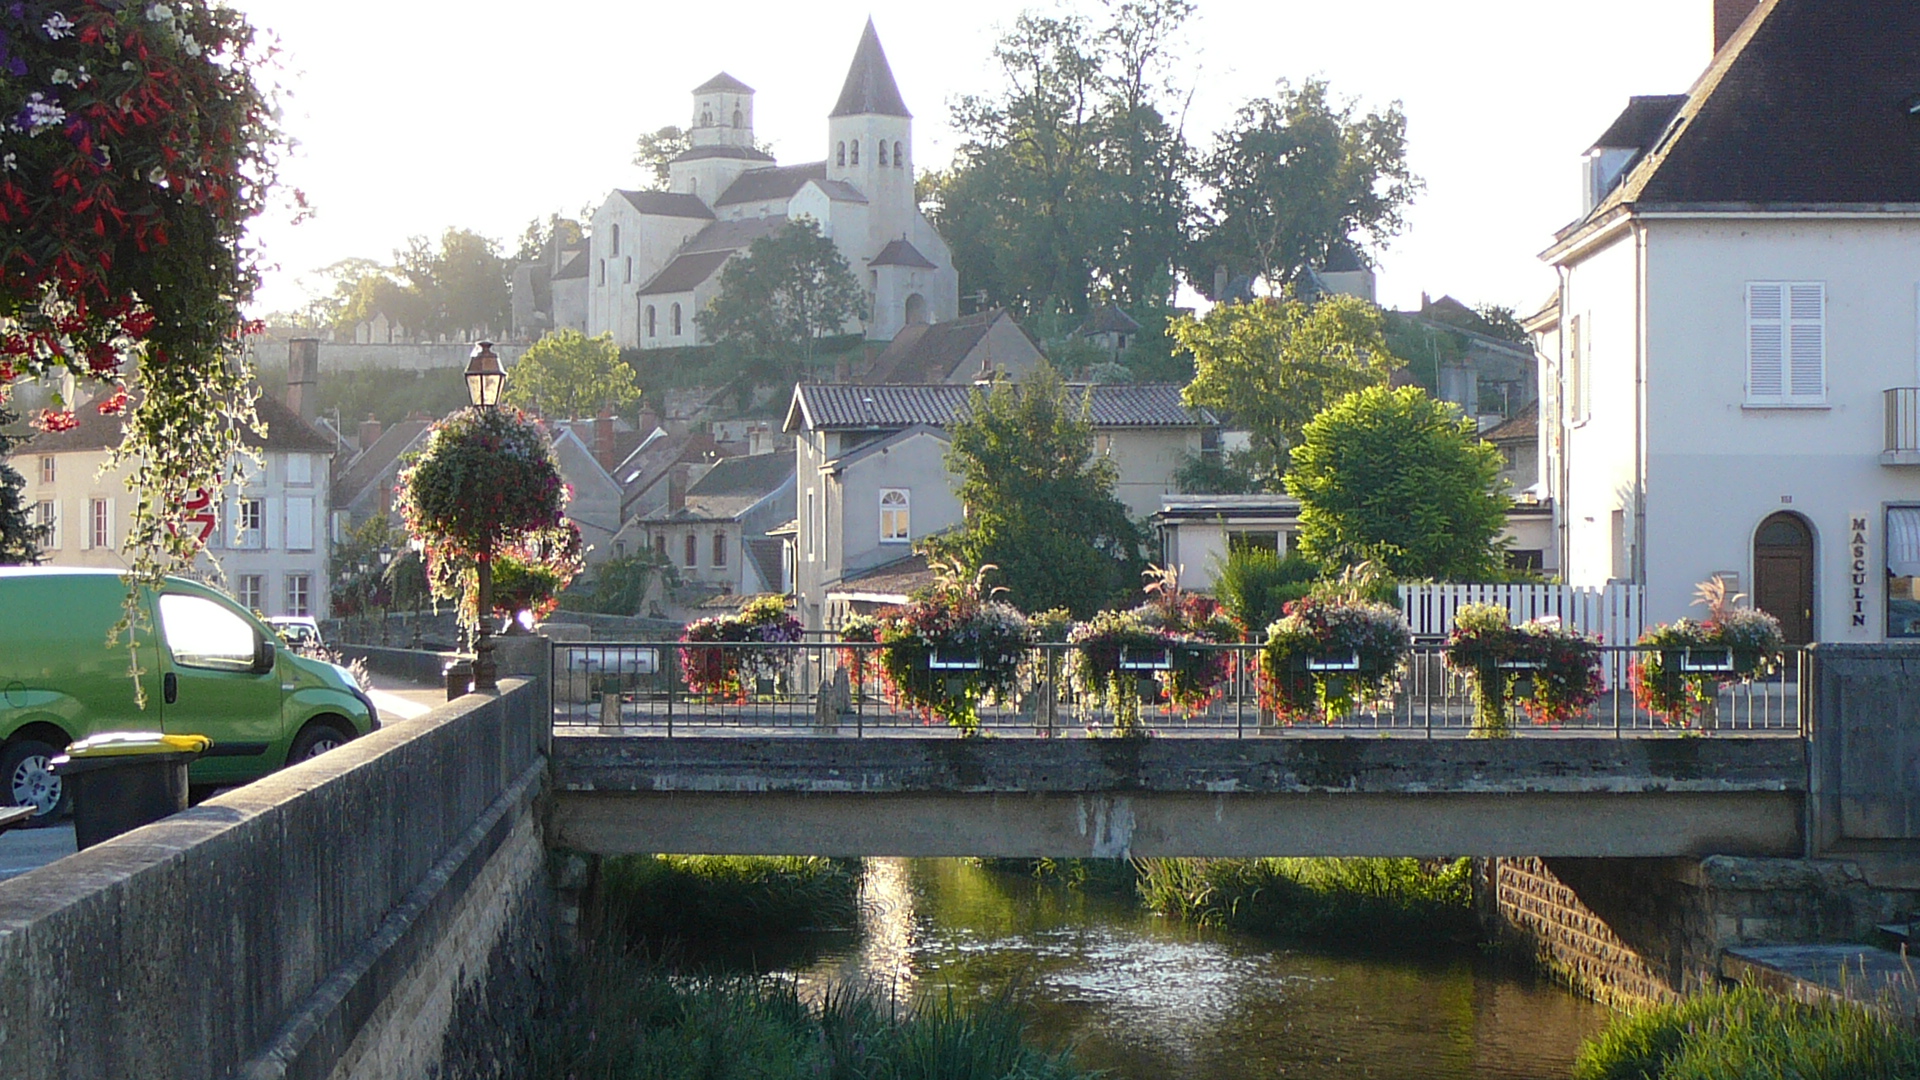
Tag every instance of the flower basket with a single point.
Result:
(950, 651)
(1678, 676)
(1552, 672)
(726, 673)
(1325, 658)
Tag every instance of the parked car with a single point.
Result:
(300, 632)
(207, 667)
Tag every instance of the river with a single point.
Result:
(1148, 999)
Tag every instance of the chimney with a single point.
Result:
(648, 421)
(677, 488)
(603, 439)
(1727, 17)
(369, 432)
(303, 373)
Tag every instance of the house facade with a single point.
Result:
(1731, 356)
(716, 536)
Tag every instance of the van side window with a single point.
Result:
(201, 633)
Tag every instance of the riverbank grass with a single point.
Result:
(1748, 1034)
(703, 897)
(1346, 901)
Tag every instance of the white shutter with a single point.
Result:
(1807, 341)
(299, 524)
(53, 538)
(111, 522)
(299, 469)
(270, 525)
(1766, 361)
(86, 524)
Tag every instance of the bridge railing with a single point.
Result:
(643, 688)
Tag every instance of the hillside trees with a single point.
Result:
(567, 375)
(792, 289)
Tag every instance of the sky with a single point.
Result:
(412, 116)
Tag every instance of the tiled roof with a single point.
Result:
(883, 444)
(901, 253)
(898, 579)
(1644, 118)
(1523, 428)
(723, 82)
(667, 203)
(376, 461)
(733, 235)
(840, 191)
(1108, 319)
(870, 89)
(285, 432)
(757, 185)
(769, 558)
(841, 405)
(722, 150)
(932, 353)
(685, 273)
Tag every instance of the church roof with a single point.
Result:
(721, 150)
(870, 89)
(733, 235)
(757, 185)
(685, 273)
(723, 82)
(901, 253)
(840, 191)
(667, 203)
(574, 267)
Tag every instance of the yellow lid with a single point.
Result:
(118, 743)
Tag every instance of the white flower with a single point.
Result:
(191, 46)
(160, 13)
(41, 114)
(58, 26)
(128, 65)
(62, 77)
(7, 162)
(156, 175)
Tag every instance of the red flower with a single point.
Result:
(55, 420)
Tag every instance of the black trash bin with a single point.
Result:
(122, 780)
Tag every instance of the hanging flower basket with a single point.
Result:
(1551, 671)
(729, 674)
(1684, 663)
(1325, 658)
(947, 653)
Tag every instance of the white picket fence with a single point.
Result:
(1614, 613)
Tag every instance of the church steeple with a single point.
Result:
(870, 89)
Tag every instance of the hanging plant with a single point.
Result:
(1683, 664)
(950, 651)
(730, 674)
(528, 576)
(1159, 648)
(1551, 671)
(1326, 657)
(1115, 655)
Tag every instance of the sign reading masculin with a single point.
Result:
(1857, 563)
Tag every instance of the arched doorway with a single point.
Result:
(916, 312)
(1783, 574)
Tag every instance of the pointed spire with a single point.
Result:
(870, 89)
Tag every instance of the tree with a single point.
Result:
(1295, 177)
(567, 374)
(466, 283)
(792, 289)
(1272, 364)
(20, 538)
(1399, 479)
(536, 236)
(1039, 504)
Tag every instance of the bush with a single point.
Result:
(1748, 1034)
(1352, 901)
(1255, 585)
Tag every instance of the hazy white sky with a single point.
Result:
(416, 115)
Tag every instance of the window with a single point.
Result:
(1254, 541)
(299, 524)
(1576, 373)
(46, 518)
(739, 118)
(250, 524)
(250, 588)
(706, 117)
(653, 320)
(203, 634)
(299, 594)
(719, 549)
(899, 159)
(627, 276)
(674, 318)
(853, 157)
(600, 273)
(693, 551)
(99, 523)
(1786, 343)
(46, 469)
(660, 545)
(809, 527)
(895, 524)
(1903, 571)
(613, 240)
(619, 549)
(840, 154)
(883, 153)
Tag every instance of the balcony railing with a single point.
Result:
(1903, 426)
(641, 689)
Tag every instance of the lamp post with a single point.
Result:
(485, 377)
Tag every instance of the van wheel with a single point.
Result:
(28, 780)
(314, 739)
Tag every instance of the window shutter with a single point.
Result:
(111, 522)
(299, 524)
(86, 525)
(53, 539)
(1807, 341)
(1766, 359)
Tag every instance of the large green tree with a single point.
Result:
(1039, 503)
(567, 375)
(792, 289)
(1271, 364)
(655, 150)
(1296, 177)
(1399, 479)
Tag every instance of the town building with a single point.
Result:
(1730, 385)
(985, 344)
(716, 534)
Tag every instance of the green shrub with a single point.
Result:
(650, 898)
(1748, 1034)
(1353, 901)
(1255, 584)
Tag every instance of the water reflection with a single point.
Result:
(1152, 1000)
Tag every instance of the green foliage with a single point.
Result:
(360, 578)
(1396, 478)
(460, 288)
(568, 375)
(620, 584)
(1342, 629)
(388, 395)
(1353, 901)
(1559, 666)
(1254, 585)
(538, 234)
(655, 151)
(1215, 474)
(484, 477)
(20, 538)
(960, 619)
(654, 898)
(1297, 177)
(1039, 503)
(1272, 365)
(1750, 1034)
(776, 305)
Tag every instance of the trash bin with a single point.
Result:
(122, 780)
(459, 678)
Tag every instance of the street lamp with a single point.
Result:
(485, 377)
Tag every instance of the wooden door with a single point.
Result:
(1783, 575)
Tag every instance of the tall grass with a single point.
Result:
(1350, 901)
(1748, 1034)
(1114, 876)
(657, 897)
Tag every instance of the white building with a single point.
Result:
(1729, 386)
(655, 257)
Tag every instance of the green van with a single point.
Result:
(207, 665)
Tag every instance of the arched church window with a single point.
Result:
(653, 321)
(616, 239)
(899, 159)
(854, 157)
(674, 317)
(706, 118)
(840, 155)
(739, 119)
(883, 153)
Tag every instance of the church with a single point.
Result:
(654, 258)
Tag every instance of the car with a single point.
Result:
(300, 632)
(206, 666)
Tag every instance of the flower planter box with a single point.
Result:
(1705, 660)
(1349, 662)
(947, 659)
(1134, 658)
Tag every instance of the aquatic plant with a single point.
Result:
(1749, 1034)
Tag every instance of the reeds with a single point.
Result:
(1344, 901)
(653, 898)
(1749, 1034)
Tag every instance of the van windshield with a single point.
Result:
(201, 633)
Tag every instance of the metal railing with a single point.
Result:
(641, 688)
(1903, 419)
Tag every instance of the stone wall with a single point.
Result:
(379, 911)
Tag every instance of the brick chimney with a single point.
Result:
(677, 488)
(369, 432)
(1727, 17)
(648, 421)
(303, 377)
(603, 439)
